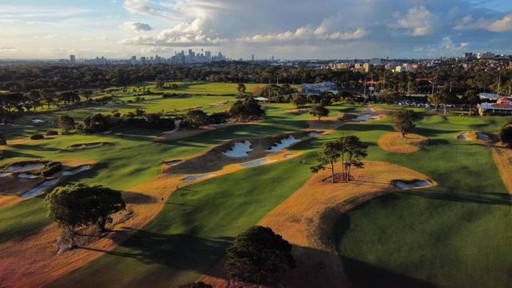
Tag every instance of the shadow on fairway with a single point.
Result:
(489, 198)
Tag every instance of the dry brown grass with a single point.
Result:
(307, 219)
(326, 123)
(503, 158)
(34, 262)
(394, 143)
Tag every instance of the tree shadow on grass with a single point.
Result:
(489, 198)
(178, 251)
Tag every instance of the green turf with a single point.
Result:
(196, 226)
(454, 235)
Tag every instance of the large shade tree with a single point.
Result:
(319, 111)
(259, 256)
(403, 121)
(76, 205)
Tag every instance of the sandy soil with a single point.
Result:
(33, 261)
(503, 159)
(307, 218)
(394, 143)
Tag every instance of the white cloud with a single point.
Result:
(304, 34)
(136, 27)
(419, 20)
(501, 25)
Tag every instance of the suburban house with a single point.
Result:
(502, 107)
(315, 89)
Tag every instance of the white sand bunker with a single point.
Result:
(76, 170)
(283, 144)
(81, 146)
(240, 149)
(363, 118)
(313, 134)
(473, 136)
(38, 121)
(173, 162)
(26, 176)
(404, 185)
(257, 162)
(20, 168)
(2, 175)
(41, 188)
(193, 178)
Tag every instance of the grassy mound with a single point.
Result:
(394, 143)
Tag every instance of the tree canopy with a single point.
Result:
(506, 135)
(259, 256)
(77, 204)
(246, 109)
(319, 111)
(403, 121)
(66, 123)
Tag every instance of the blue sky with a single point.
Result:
(287, 29)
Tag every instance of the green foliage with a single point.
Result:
(259, 256)
(3, 141)
(66, 123)
(298, 100)
(241, 88)
(319, 111)
(37, 137)
(330, 153)
(196, 118)
(403, 121)
(506, 135)
(352, 151)
(246, 109)
(77, 204)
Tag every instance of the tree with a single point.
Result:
(319, 111)
(77, 204)
(472, 98)
(435, 99)
(298, 100)
(403, 121)
(3, 141)
(352, 150)
(159, 83)
(66, 123)
(241, 88)
(196, 118)
(259, 256)
(329, 155)
(246, 109)
(506, 135)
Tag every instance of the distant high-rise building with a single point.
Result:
(252, 57)
(72, 58)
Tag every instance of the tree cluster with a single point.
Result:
(403, 121)
(246, 109)
(349, 151)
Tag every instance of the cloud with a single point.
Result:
(304, 34)
(501, 25)
(445, 47)
(136, 27)
(145, 7)
(8, 49)
(419, 21)
(19, 12)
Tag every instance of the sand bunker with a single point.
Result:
(41, 188)
(404, 185)
(81, 146)
(2, 175)
(173, 163)
(473, 135)
(240, 149)
(193, 178)
(283, 144)
(26, 176)
(21, 167)
(362, 118)
(257, 162)
(38, 121)
(76, 170)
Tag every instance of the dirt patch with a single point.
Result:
(308, 217)
(503, 158)
(394, 143)
(327, 123)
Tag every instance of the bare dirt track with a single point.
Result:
(503, 159)
(308, 217)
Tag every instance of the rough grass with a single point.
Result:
(395, 143)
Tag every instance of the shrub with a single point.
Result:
(52, 133)
(37, 137)
(219, 117)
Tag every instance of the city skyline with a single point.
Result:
(331, 29)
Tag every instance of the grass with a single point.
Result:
(192, 232)
(454, 235)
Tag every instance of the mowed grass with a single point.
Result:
(455, 235)
(191, 234)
